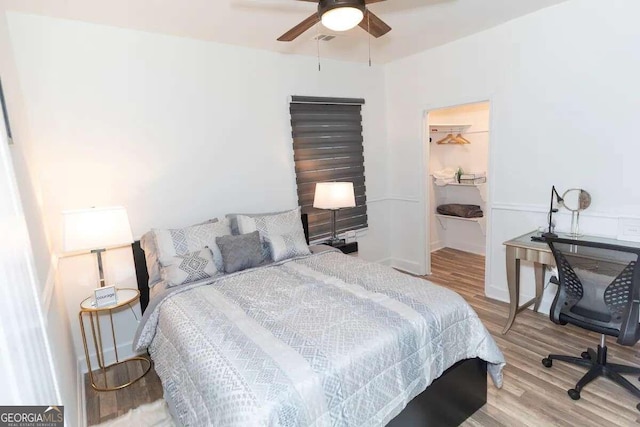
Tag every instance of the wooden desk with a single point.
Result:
(523, 248)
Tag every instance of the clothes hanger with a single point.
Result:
(461, 139)
(446, 140)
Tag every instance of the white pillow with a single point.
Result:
(181, 241)
(190, 267)
(283, 232)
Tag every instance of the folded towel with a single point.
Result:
(447, 173)
(463, 211)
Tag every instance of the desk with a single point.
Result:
(523, 248)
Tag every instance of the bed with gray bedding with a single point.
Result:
(324, 339)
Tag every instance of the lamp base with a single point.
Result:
(336, 242)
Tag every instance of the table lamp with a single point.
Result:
(96, 230)
(334, 196)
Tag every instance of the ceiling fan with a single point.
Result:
(340, 15)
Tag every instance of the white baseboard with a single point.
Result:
(437, 245)
(82, 397)
(125, 350)
(408, 266)
(502, 294)
(467, 247)
(384, 261)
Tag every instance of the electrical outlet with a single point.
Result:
(350, 236)
(629, 229)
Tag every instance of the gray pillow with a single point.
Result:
(148, 245)
(233, 219)
(240, 252)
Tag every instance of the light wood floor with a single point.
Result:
(531, 396)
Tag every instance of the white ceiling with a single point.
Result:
(417, 24)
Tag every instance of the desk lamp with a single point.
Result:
(552, 210)
(334, 196)
(96, 230)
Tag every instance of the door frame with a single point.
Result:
(425, 179)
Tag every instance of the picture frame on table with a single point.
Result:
(105, 297)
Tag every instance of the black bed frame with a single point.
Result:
(456, 395)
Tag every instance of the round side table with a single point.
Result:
(125, 297)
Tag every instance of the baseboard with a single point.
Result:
(125, 350)
(82, 397)
(500, 293)
(437, 245)
(467, 247)
(384, 261)
(408, 266)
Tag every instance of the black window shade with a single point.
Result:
(328, 146)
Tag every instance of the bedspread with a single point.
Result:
(325, 339)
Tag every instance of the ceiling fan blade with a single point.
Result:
(374, 25)
(293, 33)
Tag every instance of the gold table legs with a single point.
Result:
(97, 342)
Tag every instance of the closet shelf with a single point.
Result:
(480, 221)
(453, 129)
(459, 218)
(455, 184)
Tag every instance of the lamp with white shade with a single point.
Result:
(96, 230)
(334, 196)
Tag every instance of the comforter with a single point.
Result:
(325, 339)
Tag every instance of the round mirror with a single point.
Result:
(576, 199)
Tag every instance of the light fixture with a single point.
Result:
(96, 230)
(341, 15)
(334, 196)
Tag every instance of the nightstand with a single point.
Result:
(125, 297)
(347, 248)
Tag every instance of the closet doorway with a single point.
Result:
(457, 161)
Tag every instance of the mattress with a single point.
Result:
(325, 339)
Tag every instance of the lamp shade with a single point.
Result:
(342, 18)
(334, 195)
(95, 228)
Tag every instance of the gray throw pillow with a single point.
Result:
(240, 252)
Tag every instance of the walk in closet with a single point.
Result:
(458, 177)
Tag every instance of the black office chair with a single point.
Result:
(599, 290)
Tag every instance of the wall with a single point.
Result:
(176, 130)
(472, 158)
(559, 80)
(50, 298)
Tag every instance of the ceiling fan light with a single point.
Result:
(342, 18)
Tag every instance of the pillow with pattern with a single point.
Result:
(190, 267)
(181, 241)
(282, 232)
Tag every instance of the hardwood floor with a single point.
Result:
(106, 405)
(531, 395)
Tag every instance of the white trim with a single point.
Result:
(407, 199)
(50, 285)
(384, 261)
(82, 395)
(437, 245)
(408, 266)
(125, 351)
(522, 207)
(425, 213)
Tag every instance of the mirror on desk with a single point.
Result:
(576, 200)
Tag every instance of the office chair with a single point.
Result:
(599, 290)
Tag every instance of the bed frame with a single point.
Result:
(458, 393)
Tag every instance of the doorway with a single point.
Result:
(457, 179)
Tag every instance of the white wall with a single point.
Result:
(559, 80)
(472, 158)
(175, 129)
(49, 294)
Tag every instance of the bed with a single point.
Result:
(319, 339)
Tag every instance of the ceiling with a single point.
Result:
(417, 24)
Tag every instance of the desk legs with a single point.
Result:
(513, 281)
(538, 270)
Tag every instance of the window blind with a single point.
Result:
(328, 146)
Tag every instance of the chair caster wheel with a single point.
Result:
(574, 394)
(547, 362)
(585, 355)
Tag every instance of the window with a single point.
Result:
(328, 146)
